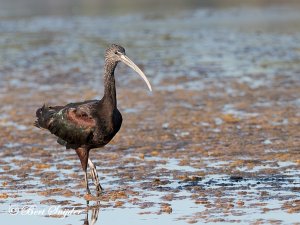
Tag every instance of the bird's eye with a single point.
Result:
(118, 53)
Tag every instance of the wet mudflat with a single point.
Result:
(217, 141)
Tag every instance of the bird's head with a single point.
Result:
(116, 53)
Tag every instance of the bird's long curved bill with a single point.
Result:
(132, 65)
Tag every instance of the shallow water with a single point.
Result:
(216, 142)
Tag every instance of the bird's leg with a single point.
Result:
(95, 176)
(86, 183)
(83, 155)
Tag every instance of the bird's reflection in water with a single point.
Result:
(94, 216)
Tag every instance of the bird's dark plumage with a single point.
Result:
(91, 124)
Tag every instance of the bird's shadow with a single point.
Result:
(95, 209)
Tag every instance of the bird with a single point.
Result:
(91, 124)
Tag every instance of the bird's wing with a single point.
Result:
(73, 123)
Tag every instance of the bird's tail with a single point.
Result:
(44, 116)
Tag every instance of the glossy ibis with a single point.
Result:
(91, 124)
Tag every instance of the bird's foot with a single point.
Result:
(99, 190)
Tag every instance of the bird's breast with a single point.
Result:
(107, 127)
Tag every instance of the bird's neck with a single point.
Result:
(109, 83)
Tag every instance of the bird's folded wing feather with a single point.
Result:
(73, 123)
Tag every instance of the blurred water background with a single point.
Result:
(226, 101)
